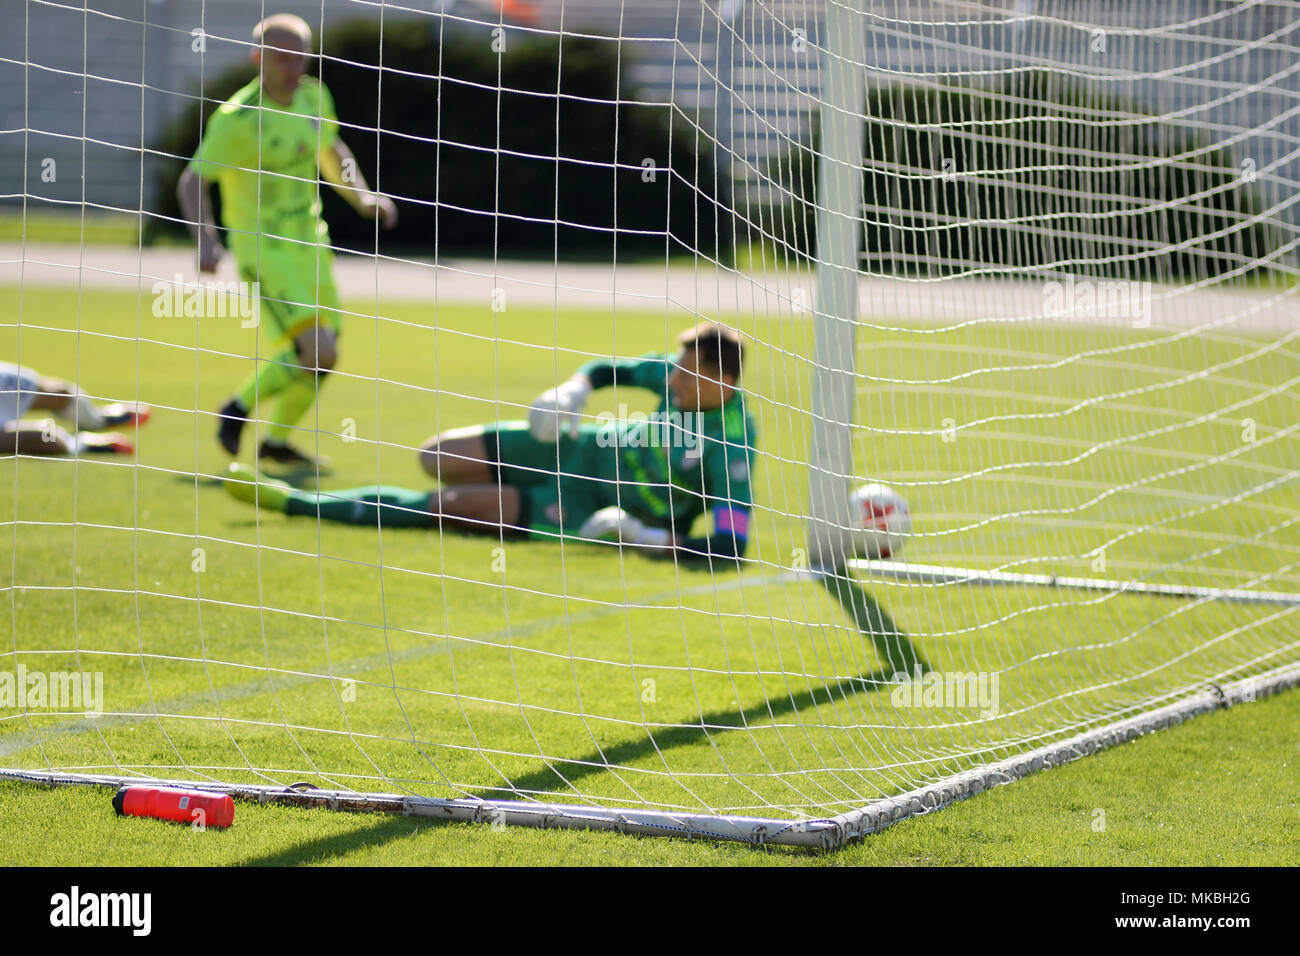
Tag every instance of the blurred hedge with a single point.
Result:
(454, 151)
(1065, 187)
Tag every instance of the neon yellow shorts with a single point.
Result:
(295, 284)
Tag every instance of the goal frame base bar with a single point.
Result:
(939, 574)
(830, 833)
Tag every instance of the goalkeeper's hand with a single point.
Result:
(615, 524)
(559, 410)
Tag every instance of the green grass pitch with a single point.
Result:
(213, 625)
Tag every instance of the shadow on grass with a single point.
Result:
(304, 479)
(892, 646)
(203, 481)
(386, 829)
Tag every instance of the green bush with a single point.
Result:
(475, 170)
(1064, 186)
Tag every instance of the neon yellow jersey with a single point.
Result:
(263, 156)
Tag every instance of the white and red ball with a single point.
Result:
(880, 521)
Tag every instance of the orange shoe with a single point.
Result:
(123, 414)
(106, 443)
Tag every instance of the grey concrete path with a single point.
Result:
(683, 290)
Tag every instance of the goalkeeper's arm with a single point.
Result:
(559, 411)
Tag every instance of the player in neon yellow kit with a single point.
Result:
(263, 148)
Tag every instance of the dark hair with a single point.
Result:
(716, 347)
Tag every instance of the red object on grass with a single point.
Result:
(175, 803)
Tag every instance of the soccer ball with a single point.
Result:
(880, 521)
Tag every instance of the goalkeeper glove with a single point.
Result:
(615, 524)
(559, 410)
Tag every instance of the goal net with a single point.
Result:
(1030, 266)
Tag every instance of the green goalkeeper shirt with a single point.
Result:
(263, 156)
(671, 466)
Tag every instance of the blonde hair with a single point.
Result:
(283, 23)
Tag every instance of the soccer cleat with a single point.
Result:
(233, 419)
(245, 484)
(282, 453)
(124, 414)
(107, 443)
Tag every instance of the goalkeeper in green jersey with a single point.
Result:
(263, 148)
(638, 480)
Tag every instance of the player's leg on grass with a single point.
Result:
(299, 310)
(317, 351)
(293, 377)
(479, 508)
(70, 403)
(496, 453)
(47, 438)
(459, 457)
(23, 390)
(316, 345)
(66, 401)
(476, 508)
(272, 375)
(546, 477)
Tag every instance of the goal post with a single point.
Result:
(835, 314)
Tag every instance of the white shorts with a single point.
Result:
(18, 389)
